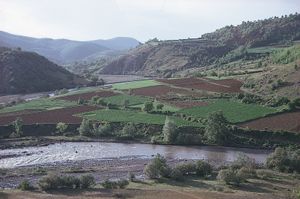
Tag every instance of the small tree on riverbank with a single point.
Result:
(216, 131)
(61, 127)
(17, 126)
(85, 128)
(169, 131)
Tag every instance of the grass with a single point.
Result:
(119, 100)
(40, 104)
(135, 84)
(134, 117)
(234, 111)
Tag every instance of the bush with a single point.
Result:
(157, 168)
(148, 107)
(17, 126)
(243, 160)
(107, 184)
(187, 168)
(54, 182)
(203, 168)
(230, 176)
(61, 127)
(129, 131)
(103, 130)
(159, 106)
(131, 177)
(25, 186)
(86, 181)
(176, 175)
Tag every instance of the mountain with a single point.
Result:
(63, 51)
(27, 72)
(227, 44)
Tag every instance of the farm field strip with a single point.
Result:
(134, 117)
(284, 121)
(65, 115)
(132, 100)
(234, 111)
(135, 84)
(88, 95)
(40, 104)
(223, 86)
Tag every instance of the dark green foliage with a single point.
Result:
(102, 130)
(148, 107)
(280, 101)
(157, 168)
(86, 181)
(121, 184)
(295, 104)
(25, 186)
(187, 168)
(54, 182)
(203, 168)
(129, 131)
(176, 175)
(159, 106)
(230, 176)
(285, 160)
(216, 130)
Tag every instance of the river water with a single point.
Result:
(73, 151)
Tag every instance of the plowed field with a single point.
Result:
(285, 121)
(49, 117)
(221, 86)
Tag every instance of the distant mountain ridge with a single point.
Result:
(28, 72)
(164, 58)
(63, 51)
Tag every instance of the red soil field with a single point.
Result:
(50, 117)
(220, 86)
(187, 104)
(284, 121)
(87, 96)
(162, 90)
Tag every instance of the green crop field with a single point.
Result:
(234, 111)
(133, 116)
(135, 84)
(40, 104)
(119, 100)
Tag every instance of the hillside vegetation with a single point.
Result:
(26, 72)
(228, 44)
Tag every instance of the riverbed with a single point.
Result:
(78, 151)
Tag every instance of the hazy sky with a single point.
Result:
(141, 19)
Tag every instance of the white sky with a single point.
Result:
(141, 19)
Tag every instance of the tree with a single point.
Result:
(159, 106)
(216, 130)
(61, 127)
(129, 130)
(17, 126)
(148, 107)
(157, 168)
(169, 131)
(85, 128)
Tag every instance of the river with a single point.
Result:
(78, 151)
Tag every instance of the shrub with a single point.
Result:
(148, 107)
(17, 126)
(243, 160)
(203, 168)
(176, 175)
(131, 177)
(25, 186)
(157, 168)
(129, 130)
(61, 127)
(107, 184)
(230, 176)
(187, 168)
(86, 181)
(103, 130)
